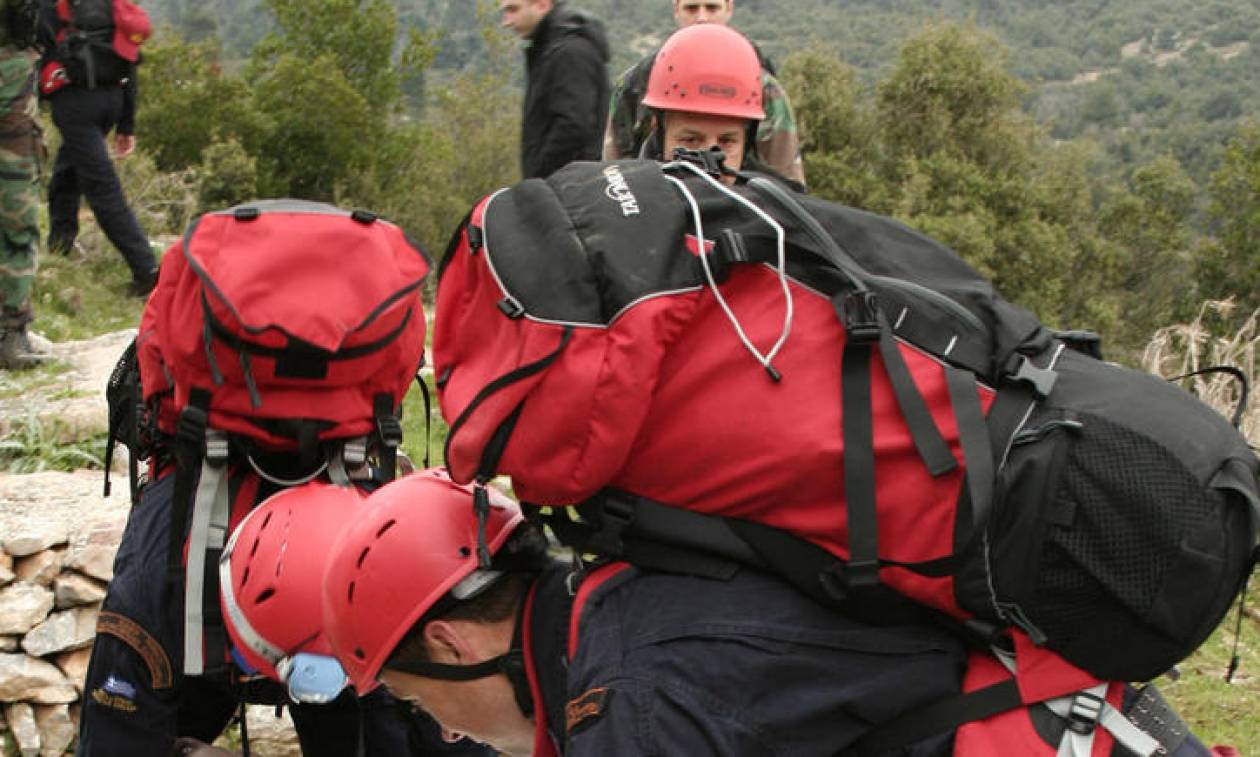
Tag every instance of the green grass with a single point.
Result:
(80, 296)
(14, 384)
(32, 446)
(1220, 712)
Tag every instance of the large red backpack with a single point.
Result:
(279, 342)
(723, 375)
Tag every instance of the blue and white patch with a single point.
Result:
(119, 687)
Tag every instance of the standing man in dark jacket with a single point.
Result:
(87, 104)
(566, 95)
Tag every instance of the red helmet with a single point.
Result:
(414, 542)
(270, 575)
(709, 69)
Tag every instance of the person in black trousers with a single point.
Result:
(85, 114)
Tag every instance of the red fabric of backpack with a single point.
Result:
(282, 337)
(296, 317)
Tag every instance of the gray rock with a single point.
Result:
(74, 665)
(6, 568)
(22, 725)
(75, 589)
(62, 632)
(56, 729)
(23, 606)
(40, 568)
(35, 537)
(95, 560)
(9, 643)
(26, 679)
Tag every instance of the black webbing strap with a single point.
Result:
(427, 399)
(189, 443)
(859, 455)
(649, 534)
(389, 434)
(937, 718)
(932, 448)
(860, 310)
(973, 434)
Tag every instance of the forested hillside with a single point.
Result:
(1093, 158)
(1143, 77)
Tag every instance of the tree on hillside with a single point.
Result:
(1150, 220)
(944, 145)
(1229, 266)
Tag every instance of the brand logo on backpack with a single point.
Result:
(618, 191)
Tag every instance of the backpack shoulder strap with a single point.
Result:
(591, 583)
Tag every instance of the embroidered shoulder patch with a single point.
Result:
(586, 708)
(130, 633)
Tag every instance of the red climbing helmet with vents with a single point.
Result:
(709, 69)
(270, 583)
(412, 544)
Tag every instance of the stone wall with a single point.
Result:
(57, 543)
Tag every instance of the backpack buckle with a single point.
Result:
(840, 579)
(192, 424)
(859, 314)
(216, 448)
(1086, 710)
(1042, 380)
(613, 518)
(728, 249)
(390, 430)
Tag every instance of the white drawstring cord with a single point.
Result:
(789, 311)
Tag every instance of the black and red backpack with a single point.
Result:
(716, 376)
(275, 349)
(95, 43)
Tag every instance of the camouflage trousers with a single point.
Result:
(19, 218)
(21, 150)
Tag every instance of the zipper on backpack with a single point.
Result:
(1036, 434)
(1014, 614)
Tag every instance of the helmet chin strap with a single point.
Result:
(510, 664)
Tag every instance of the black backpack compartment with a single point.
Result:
(1124, 522)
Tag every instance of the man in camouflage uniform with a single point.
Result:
(630, 125)
(20, 147)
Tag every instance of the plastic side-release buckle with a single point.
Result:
(511, 308)
(390, 430)
(1086, 709)
(476, 239)
(859, 314)
(192, 424)
(1042, 380)
(216, 448)
(354, 451)
(611, 519)
(840, 579)
(728, 249)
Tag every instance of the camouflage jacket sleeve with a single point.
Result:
(628, 123)
(778, 145)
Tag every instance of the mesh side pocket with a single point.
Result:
(1104, 567)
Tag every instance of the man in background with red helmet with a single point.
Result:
(631, 123)
(705, 92)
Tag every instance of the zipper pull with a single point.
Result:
(1032, 435)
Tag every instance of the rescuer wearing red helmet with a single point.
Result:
(271, 575)
(706, 92)
(446, 595)
(630, 121)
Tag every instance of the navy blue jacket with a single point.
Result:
(673, 665)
